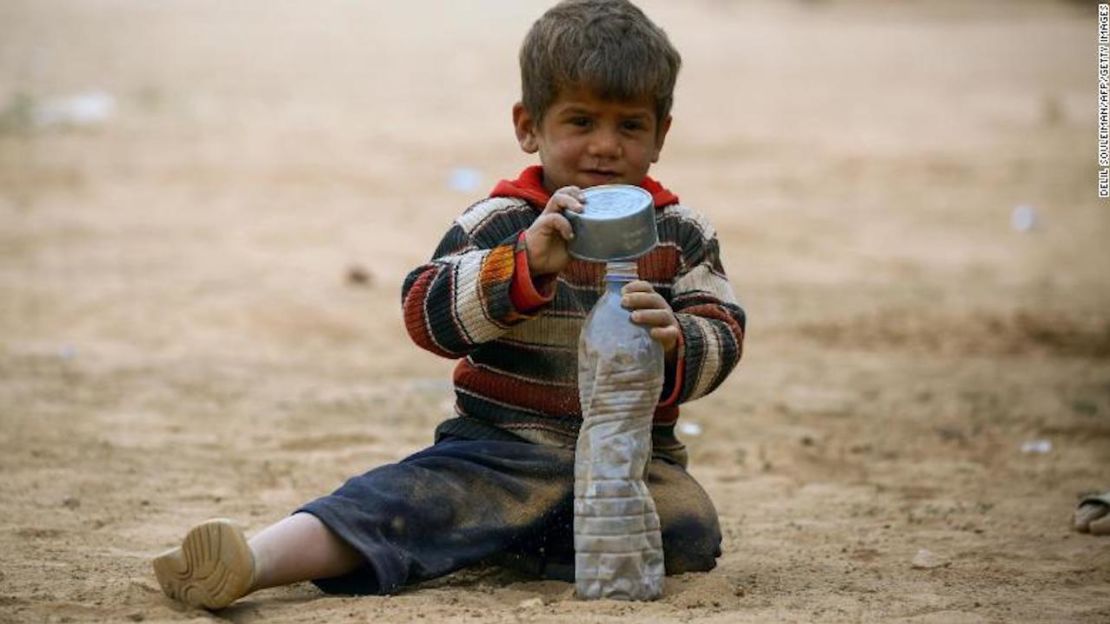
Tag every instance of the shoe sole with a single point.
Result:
(211, 569)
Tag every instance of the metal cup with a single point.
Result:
(617, 223)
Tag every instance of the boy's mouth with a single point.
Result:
(604, 175)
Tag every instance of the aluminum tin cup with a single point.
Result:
(617, 222)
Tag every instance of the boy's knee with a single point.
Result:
(691, 544)
(691, 532)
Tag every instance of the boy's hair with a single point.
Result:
(607, 46)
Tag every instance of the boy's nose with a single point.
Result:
(605, 144)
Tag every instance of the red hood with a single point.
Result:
(529, 187)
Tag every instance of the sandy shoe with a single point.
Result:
(212, 568)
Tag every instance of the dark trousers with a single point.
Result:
(463, 502)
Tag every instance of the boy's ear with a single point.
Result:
(525, 128)
(661, 137)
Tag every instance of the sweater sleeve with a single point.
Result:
(464, 296)
(711, 320)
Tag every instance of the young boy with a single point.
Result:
(502, 294)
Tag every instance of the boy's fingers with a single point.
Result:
(642, 300)
(667, 334)
(574, 192)
(565, 229)
(573, 203)
(559, 203)
(566, 198)
(655, 318)
(637, 286)
(561, 225)
(547, 222)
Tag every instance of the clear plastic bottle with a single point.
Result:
(618, 547)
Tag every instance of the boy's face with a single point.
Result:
(585, 141)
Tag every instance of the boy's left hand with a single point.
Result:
(651, 310)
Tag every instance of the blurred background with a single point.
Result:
(207, 209)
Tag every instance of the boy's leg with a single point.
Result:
(447, 507)
(691, 532)
(299, 548)
(450, 506)
(216, 565)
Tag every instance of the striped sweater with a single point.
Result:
(518, 340)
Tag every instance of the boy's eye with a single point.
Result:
(632, 125)
(581, 122)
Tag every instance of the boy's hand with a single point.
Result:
(547, 238)
(651, 310)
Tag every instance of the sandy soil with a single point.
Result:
(179, 339)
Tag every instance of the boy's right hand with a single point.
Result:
(549, 234)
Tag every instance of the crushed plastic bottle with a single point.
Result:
(617, 541)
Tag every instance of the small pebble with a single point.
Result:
(358, 275)
(927, 560)
(1039, 447)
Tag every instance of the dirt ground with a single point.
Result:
(180, 337)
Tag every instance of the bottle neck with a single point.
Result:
(620, 272)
